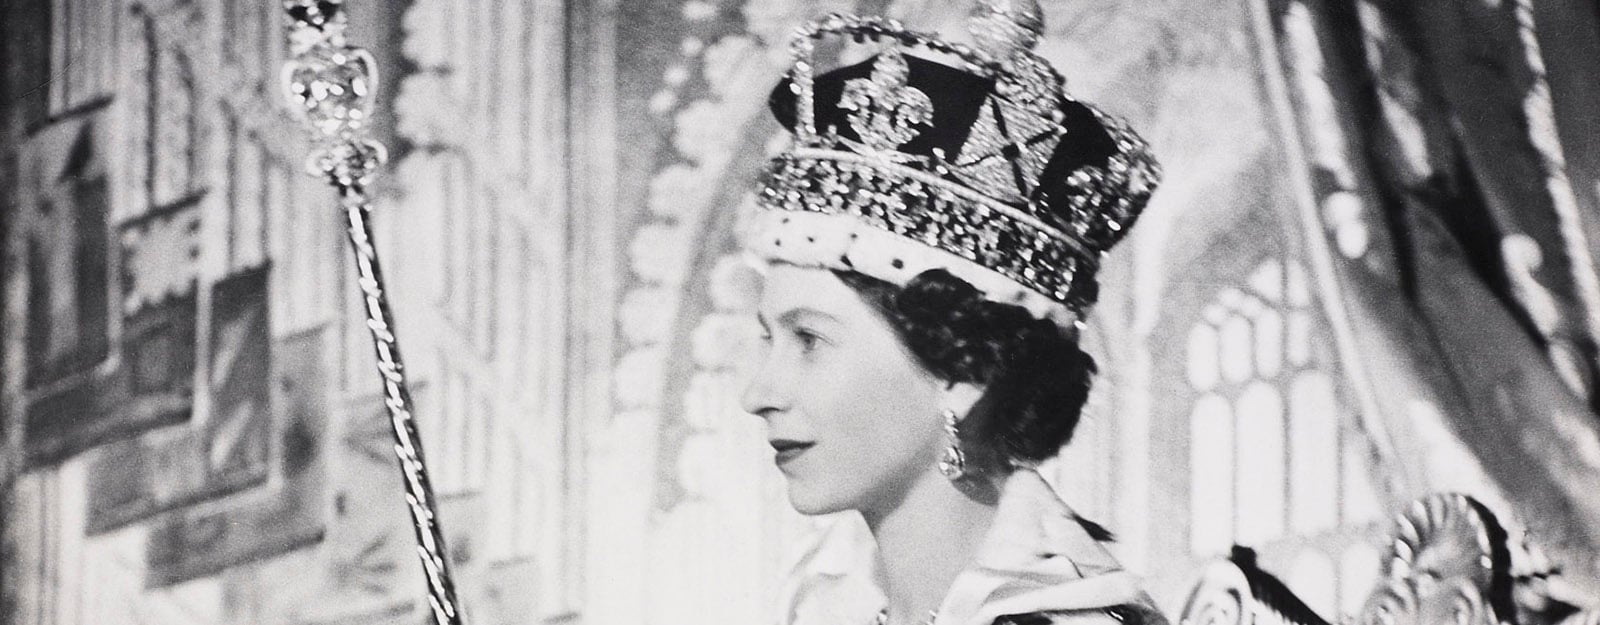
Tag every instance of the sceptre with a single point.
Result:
(330, 86)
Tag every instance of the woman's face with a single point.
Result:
(853, 419)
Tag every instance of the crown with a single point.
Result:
(982, 166)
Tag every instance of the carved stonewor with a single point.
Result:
(1448, 564)
(1237, 592)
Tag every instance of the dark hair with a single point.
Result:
(1035, 375)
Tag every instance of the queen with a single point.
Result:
(930, 242)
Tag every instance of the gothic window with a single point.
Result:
(461, 207)
(528, 312)
(68, 305)
(1211, 483)
(249, 167)
(230, 123)
(231, 11)
(461, 48)
(277, 187)
(80, 52)
(29, 59)
(1271, 455)
(510, 81)
(241, 38)
(1259, 456)
(446, 433)
(470, 256)
(39, 304)
(491, 58)
(527, 99)
(273, 46)
(1314, 463)
(144, 100)
(458, 438)
(480, 299)
(479, 429)
(174, 132)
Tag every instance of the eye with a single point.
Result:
(807, 339)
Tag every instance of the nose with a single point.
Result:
(767, 391)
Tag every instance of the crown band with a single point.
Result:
(933, 212)
(933, 181)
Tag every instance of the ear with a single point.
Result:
(960, 397)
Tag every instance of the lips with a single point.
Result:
(787, 450)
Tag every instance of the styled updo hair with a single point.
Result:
(1035, 376)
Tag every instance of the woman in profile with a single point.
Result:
(930, 242)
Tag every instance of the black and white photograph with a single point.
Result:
(785, 312)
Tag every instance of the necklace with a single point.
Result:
(883, 617)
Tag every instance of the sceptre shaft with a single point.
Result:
(330, 86)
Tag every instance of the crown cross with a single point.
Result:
(884, 111)
(1024, 153)
(1020, 150)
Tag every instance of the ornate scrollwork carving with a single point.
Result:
(1448, 564)
(1220, 598)
(1541, 594)
(1237, 592)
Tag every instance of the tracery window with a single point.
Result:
(473, 253)
(250, 36)
(1273, 455)
(65, 246)
(249, 166)
(81, 53)
(172, 116)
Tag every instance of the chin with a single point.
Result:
(807, 500)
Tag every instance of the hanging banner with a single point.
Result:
(159, 273)
(260, 523)
(63, 226)
(223, 453)
(158, 361)
(74, 418)
(65, 230)
(236, 431)
(368, 571)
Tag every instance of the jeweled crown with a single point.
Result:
(984, 167)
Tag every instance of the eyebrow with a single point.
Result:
(790, 316)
